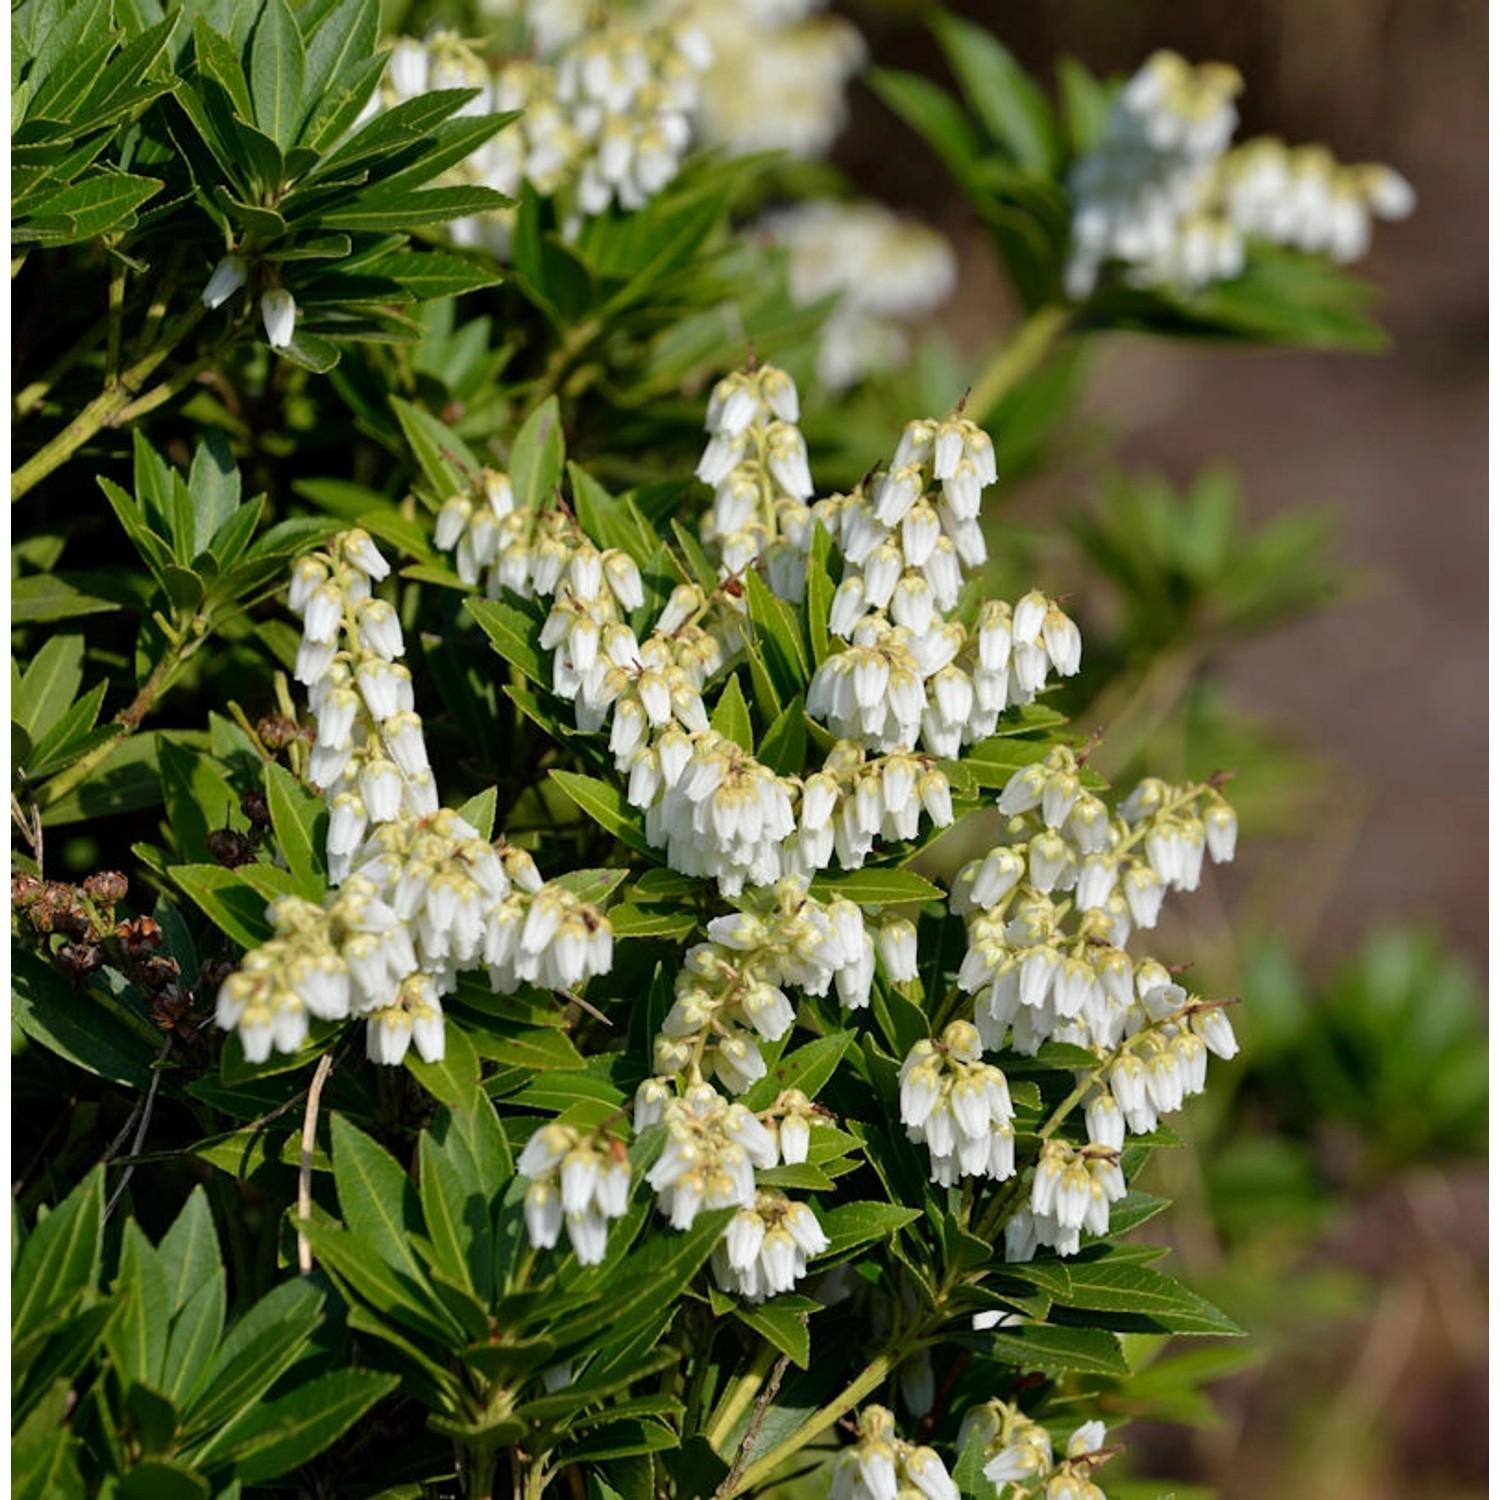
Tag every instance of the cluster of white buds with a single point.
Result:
(712, 1152)
(278, 308)
(960, 1106)
(766, 1247)
(887, 271)
(606, 118)
(1071, 1193)
(730, 992)
(426, 898)
(370, 755)
(857, 798)
(1049, 911)
(488, 536)
(756, 461)
(909, 672)
(579, 1178)
(352, 956)
(719, 811)
(1163, 194)
(778, 75)
(1300, 196)
(878, 1465)
(1144, 179)
(1019, 1459)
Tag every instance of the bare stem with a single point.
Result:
(304, 1168)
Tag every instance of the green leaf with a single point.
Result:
(77, 1025)
(782, 1322)
(454, 1080)
(451, 1229)
(377, 1200)
(157, 1478)
(43, 598)
(778, 636)
(513, 634)
(128, 781)
(628, 921)
(337, 45)
(479, 812)
(935, 116)
(808, 1069)
(281, 1435)
(261, 1347)
(607, 807)
(1012, 108)
(227, 899)
(277, 68)
(189, 1251)
(1104, 1286)
(196, 1330)
(60, 1259)
(731, 716)
(92, 207)
(852, 1224)
(875, 887)
(137, 1339)
(1040, 1346)
(784, 745)
(300, 823)
(49, 684)
(536, 457)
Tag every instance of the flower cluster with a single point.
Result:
(766, 1248)
(878, 1465)
(352, 956)
(756, 461)
(712, 1152)
(1163, 193)
(885, 270)
(778, 75)
(1071, 1194)
(960, 1106)
(729, 989)
(370, 756)
(1019, 1459)
(580, 1179)
(1049, 911)
(910, 672)
(606, 116)
(426, 899)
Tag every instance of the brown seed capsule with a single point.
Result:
(107, 887)
(139, 937)
(25, 890)
(78, 960)
(230, 848)
(157, 972)
(253, 805)
(276, 731)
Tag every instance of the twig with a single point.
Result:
(140, 1134)
(304, 1170)
(757, 1417)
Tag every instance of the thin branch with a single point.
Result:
(304, 1170)
(140, 1135)
(752, 1431)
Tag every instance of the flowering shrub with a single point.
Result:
(757, 1014)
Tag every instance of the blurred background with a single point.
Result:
(1337, 1202)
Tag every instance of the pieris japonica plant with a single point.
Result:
(608, 927)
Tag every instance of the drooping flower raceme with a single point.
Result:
(579, 1179)
(370, 755)
(1019, 1460)
(606, 115)
(878, 1465)
(1164, 195)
